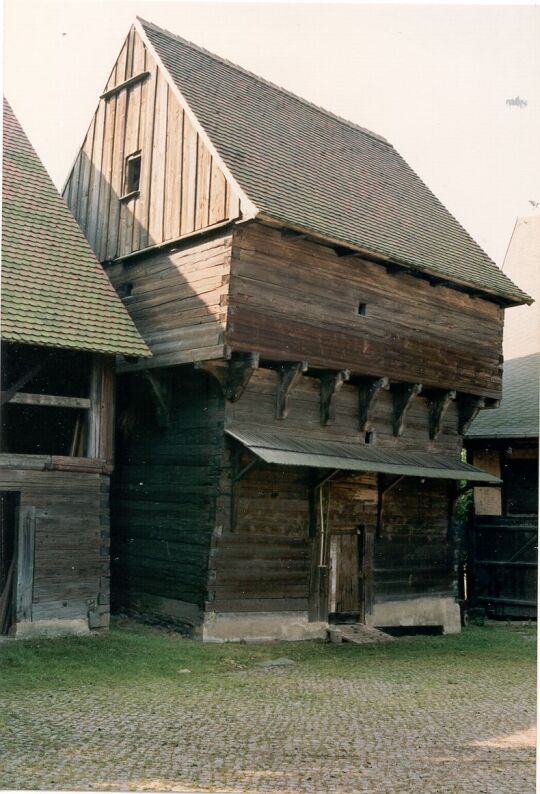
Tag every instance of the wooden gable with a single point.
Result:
(181, 187)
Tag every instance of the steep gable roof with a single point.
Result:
(54, 291)
(305, 167)
(517, 415)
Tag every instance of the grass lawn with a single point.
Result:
(144, 708)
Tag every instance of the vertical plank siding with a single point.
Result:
(298, 300)
(71, 543)
(182, 189)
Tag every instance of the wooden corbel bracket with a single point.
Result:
(162, 396)
(288, 376)
(438, 406)
(331, 383)
(403, 396)
(469, 405)
(368, 391)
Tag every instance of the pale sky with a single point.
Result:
(434, 80)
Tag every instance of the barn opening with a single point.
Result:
(9, 502)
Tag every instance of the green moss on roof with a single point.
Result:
(308, 168)
(54, 291)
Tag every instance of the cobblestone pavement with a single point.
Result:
(342, 726)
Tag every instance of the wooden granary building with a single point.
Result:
(323, 331)
(62, 326)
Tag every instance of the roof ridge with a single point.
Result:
(275, 86)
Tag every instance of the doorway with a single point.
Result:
(9, 504)
(346, 579)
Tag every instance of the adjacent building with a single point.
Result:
(323, 333)
(62, 326)
(503, 549)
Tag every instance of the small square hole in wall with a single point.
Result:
(362, 309)
(369, 437)
(133, 173)
(125, 290)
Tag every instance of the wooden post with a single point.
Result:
(94, 413)
(101, 412)
(23, 582)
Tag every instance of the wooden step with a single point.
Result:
(358, 633)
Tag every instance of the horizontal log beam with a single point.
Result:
(50, 400)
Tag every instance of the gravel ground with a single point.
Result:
(353, 720)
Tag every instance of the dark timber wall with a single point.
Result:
(165, 491)
(413, 553)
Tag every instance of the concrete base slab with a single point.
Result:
(260, 627)
(428, 611)
(50, 628)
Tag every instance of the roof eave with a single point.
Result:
(502, 297)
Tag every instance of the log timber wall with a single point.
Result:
(178, 300)
(297, 300)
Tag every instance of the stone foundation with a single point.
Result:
(260, 627)
(49, 628)
(442, 611)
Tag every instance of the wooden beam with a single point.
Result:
(7, 395)
(331, 383)
(138, 78)
(289, 375)
(403, 395)
(239, 373)
(50, 400)
(468, 411)
(368, 391)
(161, 395)
(438, 407)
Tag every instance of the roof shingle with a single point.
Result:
(306, 167)
(54, 291)
(517, 415)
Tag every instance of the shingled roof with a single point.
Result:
(309, 169)
(517, 415)
(54, 291)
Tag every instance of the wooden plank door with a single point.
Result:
(346, 576)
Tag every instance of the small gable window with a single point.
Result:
(133, 174)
